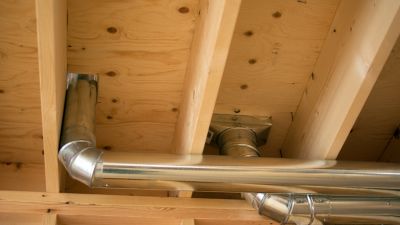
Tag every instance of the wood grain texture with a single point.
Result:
(50, 219)
(188, 222)
(140, 50)
(210, 47)
(20, 121)
(236, 222)
(20, 219)
(273, 52)
(74, 186)
(52, 32)
(362, 36)
(105, 220)
(126, 206)
(379, 117)
(139, 136)
(22, 177)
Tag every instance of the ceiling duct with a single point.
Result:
(98, 168)
(239, 139)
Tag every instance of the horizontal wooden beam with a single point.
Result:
(379, 118)
(20, 219)
(362, 35)
(127, 206)
(52, 44)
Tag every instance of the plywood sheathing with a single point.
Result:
(140, 50)
(20, 114)
(273, 52)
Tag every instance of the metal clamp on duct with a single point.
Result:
(96, 168)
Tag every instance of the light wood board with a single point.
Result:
(273, 52)
(361, 38)
(20, 219)
(20, 115)
(126, 206)
(140, 50)
(379, 118)
(22, 177)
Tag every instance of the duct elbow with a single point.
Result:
(78, 150)
(275, 207)
(284, 208)
(80, 159)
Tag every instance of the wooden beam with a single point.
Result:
(50, 218)
(52, 32)
(361, 38)
(20, 219)
(379, 117)
(127, 206)
(209, 52)
(107, 220)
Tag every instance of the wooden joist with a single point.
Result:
(361, 38)
(379, 118)
(51, 34)
(209, 52)
(126, 206)
(20, 219)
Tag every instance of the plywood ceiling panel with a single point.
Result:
(22, 177)
(20, 219)
(20, 118)
(273, 52)
(140, 50)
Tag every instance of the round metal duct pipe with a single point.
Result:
(95, 167)
(306, 209)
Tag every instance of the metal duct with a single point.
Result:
(305, 209)
(98, 168)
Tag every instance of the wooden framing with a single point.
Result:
(362, 36)
(126, 206)
(210, 48)
(370, 137)
(203, 77)
(52, 34)
(189, 71)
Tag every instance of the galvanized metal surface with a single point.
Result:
(203, 173)
(78, 150)
(320, 209)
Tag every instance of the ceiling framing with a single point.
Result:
(326, 72)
